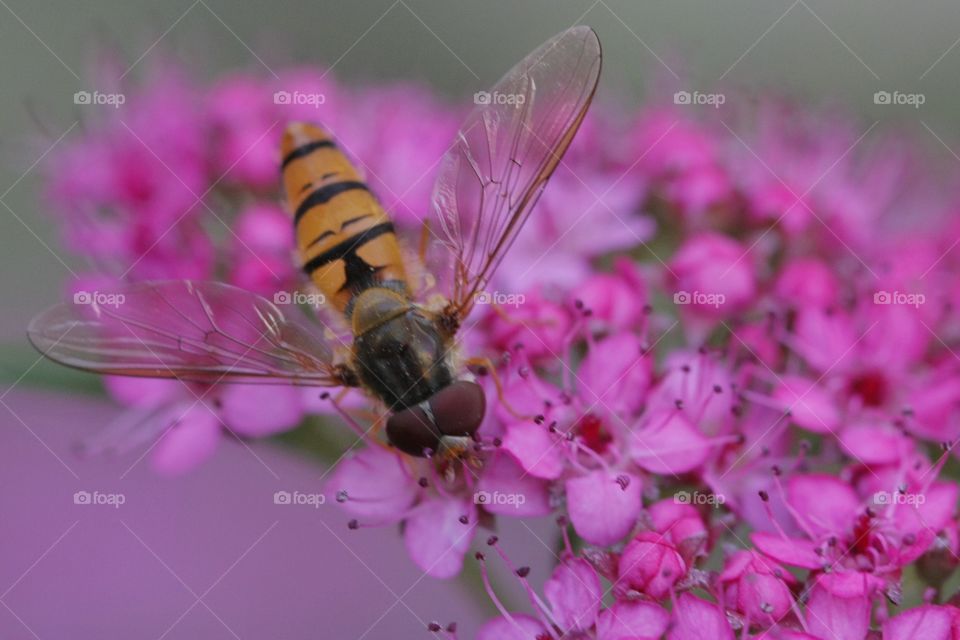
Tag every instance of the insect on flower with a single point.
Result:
(403, 345)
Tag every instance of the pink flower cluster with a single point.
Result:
(725, 352)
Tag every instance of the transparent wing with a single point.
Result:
(195, 331)
(504, 154)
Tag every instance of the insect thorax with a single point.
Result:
(399, 351)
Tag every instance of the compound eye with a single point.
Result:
(412, 432)
(459, 408)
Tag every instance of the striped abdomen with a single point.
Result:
(345, 238)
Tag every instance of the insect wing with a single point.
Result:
(195, 331)
(505, 152)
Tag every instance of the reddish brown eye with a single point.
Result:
(458, 409)
(412, 432)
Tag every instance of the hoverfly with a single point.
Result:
(403, 345)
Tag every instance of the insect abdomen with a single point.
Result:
(345, 239)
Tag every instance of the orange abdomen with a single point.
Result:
(345, 239)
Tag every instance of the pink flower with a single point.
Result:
(615, 374)
(579, 217)
(807, 282)
(650, 564)
(261, 250)
(757, 587)
(243, 118)
(712, 275)
(681, 158)
(680, 523)
(617, 301)
(190, 420)
(539, 324)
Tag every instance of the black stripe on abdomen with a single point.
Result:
(324, 194)
(347, 248)
(305, 150)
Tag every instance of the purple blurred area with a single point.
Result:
(259, 570)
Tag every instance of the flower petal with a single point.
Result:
(798, 553)
(522, 493)
(602, 509)
(825, 502)
(189, 442)
(673, 447)
(810, 406)
(696, 619)
(574, 593)
(535, 448)
(377, 485)
(632, 620)
(258, 411)
(435, 537)
(838, 608)
(926, 622)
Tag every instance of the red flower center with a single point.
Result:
(871, 386)
(591, 432)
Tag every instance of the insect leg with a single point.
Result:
(485, 365)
